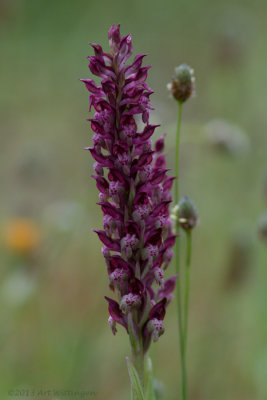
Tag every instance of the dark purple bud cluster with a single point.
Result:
(134, 189)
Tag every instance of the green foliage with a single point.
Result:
(135, 381)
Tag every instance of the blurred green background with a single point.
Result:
(53, 317)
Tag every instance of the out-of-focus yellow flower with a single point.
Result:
(21, 235)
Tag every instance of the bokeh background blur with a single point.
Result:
(53, 318)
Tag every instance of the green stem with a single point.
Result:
(187, 285)
(177, 147)
(139, 364)
(177, 256)
(137, 348)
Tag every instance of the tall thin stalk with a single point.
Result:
(177, 256)
(187, 285)
(139, 364)
(181, 88)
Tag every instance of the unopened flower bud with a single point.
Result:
(187, 214)
(182, 85)
(143, 210)
(156, 328)
(168, 255)
(128, 244)
(109, 223)
(102, 197)
(150, 252)
(160, 222)
(115, 188)
(159, 276)
(118, 278)
(145, 173)
(105, 252)
(98, 169)
(130, 301)
(136, 216)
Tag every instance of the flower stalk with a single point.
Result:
(187, 285)
(135, 196)
(181, 88)
(177, 256)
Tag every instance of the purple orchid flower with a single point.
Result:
(134, 189)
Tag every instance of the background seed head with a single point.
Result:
(187, 214)
(182, 85)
